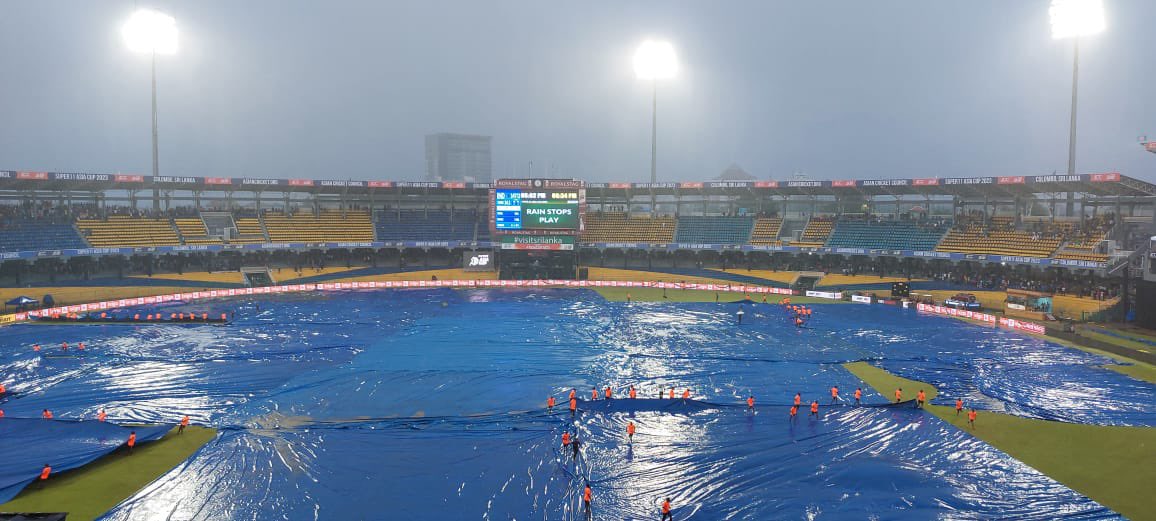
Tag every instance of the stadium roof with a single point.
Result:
(1100, 184)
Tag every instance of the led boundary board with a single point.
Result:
(537, 206)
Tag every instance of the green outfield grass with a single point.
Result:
(694, 295)
(90, 491)
(1115, 466)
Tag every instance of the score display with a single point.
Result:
(517, 209)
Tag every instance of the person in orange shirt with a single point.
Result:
(858, 395)
(1, 413)
(671, 393)
(36, 347)
(586, 497)
(834, 394)
(184, 423)
(64, 346)
(565, 440)
(798, 399)
(80, 346)
(686, 394)
(971, 418)
(751, 402)
(549, 403)
(573, 405)
(100, 415)
(666, 508)
(899, 395)
(609, 393)
(794, 412)
(573, 393)
(47, 414)
(131, 441)
(815, 408)
(630, 432)
(3, 389)
(594, 393)
(920, 398)
(633, 393)
(958, 406)
(44, 472)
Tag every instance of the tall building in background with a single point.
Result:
(457, 157)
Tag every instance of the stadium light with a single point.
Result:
(152, 32)
(1073, 19)
(655, 60)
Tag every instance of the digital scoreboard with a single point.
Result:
(536, 209)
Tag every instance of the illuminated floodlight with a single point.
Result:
(1075, 18)
(149, 31)
(655, 60)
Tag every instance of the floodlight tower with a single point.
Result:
(152, 32)
(1073, 19)
(655, 60)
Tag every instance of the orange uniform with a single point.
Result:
(633, 393)
(573, 404)
(565, 439)
(609, 393)
(100, 416)
(858, 394)
(549, 402)
(47, 414)
(798, 399)
(958, 406)
(971, 417)
(587, 496)
(921, 397)
(3, 389)
(686, 394)
(814, 407)
(794, 410)
(573, 394)
(899, 395)
(80, 346)
(671, 393)
(750, 402)
(45, 472)
(630, 429)
(594, 394)
(131, 439)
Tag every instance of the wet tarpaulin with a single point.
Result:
(430, 404)
(30, 443)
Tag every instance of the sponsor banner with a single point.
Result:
(843, 183)
(1056, 179)
(934, 181)
(952, 312)
(249, 181)
(119, 178)
(766, 184)
(1011, 180)
(885, 182)
(861, 299)
(379, 184)
(1111, 177)
(32, 176)
(1020, 325)
(807, 184)
(690, 185)
(300, 182)
(218, 180)
(825, 294)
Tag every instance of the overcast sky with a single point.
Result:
(835, 89)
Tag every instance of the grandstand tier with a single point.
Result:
(766, 231)
(816, 233)
(123, 230)
(426, 225)
(325, 226)
(621, 227)
(28, 235)
(714, 230)
(886, 235)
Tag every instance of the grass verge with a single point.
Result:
(1115, 466)
(91, 490)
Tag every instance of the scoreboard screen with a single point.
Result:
(535, 209)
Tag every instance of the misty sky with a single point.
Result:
(347, 90)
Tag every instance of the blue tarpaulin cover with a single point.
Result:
(30, 443)
(430, 404)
